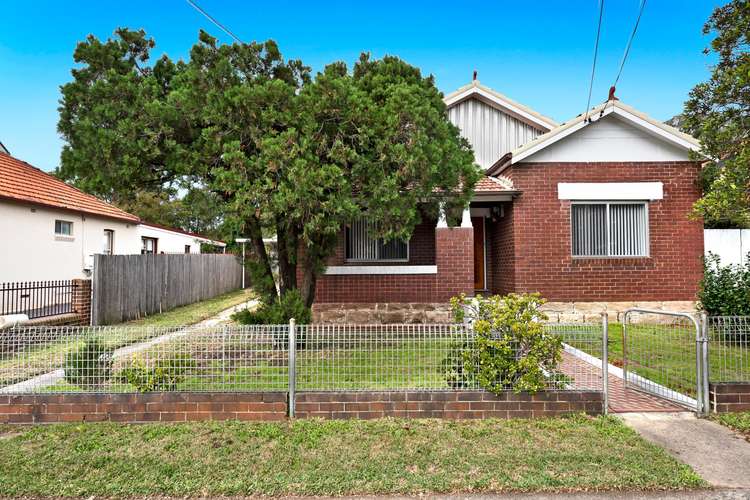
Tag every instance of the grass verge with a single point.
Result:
(194, 313)
(739, 422)
(316, 457)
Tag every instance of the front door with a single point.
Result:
(479, 260)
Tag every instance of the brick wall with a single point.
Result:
(454, 260)
(445, 404)
(81, 300)
(542, 246)
(185, 407)
(729, 397)
(501, 253)
(150, 407)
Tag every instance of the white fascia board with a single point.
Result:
(351, 270)
(560, 135)
(655, 130)
(614, 191)
(502, 103)
(632, 118)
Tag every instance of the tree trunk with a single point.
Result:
(309, 280)
(286, 247)
(265, 283)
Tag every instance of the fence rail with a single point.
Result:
(127, 287)
(37, 299)
(258, 358)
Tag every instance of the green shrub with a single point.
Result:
(164, 375)
(290, 305)
(89, 365)
(510, 349)
(725, 290)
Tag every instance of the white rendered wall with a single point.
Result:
(30, 250)
(609, 140)
(170, 241)
(731, 245)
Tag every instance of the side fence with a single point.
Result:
(127, 287)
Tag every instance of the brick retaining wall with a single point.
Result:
(185, 407)
(729, 397)
(150, 407)
(446, 404)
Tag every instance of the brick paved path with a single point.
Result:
(621, 399)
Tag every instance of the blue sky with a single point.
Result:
(536, 52)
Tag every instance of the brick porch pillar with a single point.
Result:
(81, 300)
(454, 256)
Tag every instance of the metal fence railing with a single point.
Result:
(37, 299)
(728, 348)
(271, 358)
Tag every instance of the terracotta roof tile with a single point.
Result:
(20, 181)
(493, 185)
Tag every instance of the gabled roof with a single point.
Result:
(22, 182)
(503, 103)
(612, 107)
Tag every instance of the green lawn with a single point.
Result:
(37, 360)
(316, 457)
(666, 355)
(740, 422)
(194, 313)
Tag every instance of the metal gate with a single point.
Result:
(666, 354)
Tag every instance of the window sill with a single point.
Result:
(59, 237)
(379, 269)
(612, 257)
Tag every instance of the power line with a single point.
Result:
(211, 18)
(630, 42)
(596, 53)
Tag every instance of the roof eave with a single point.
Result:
(134, 220)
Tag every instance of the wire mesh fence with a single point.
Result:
(659, 355)
(729, 348)
(257, 358)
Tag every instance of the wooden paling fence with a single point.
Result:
(127, 287)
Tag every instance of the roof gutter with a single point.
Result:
(500, 165)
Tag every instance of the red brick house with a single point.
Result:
(592, 213)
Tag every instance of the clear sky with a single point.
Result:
(536, 52)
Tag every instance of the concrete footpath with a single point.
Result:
(718, 454)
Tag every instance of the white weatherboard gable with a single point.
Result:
(640, 148)
(610, 191)
(610, 139)
(490, 131)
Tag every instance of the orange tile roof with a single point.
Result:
(493, 185)
(22, 182)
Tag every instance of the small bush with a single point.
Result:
(725, 290)
(510, 350)
(164, 375)
(89, 366)
(289, 306)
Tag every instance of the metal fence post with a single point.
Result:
(605, 361)
(625, 319)
(292, 364)
(706, 366)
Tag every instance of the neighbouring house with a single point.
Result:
(591, 213)
(51, 231)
